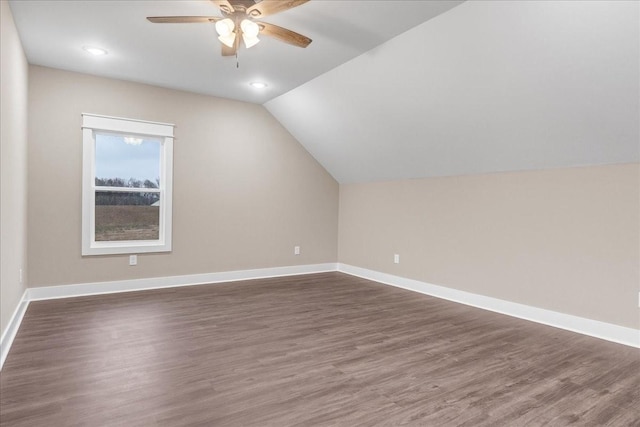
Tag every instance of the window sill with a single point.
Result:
(125, 247)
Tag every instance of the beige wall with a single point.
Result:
(565, 240)
(245, 191)
(13, 165)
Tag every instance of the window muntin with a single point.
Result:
(127, 174)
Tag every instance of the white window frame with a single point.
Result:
(92, 124)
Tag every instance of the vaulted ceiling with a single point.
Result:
(390, 89)
(485, 87)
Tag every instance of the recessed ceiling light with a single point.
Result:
(258, 85)
(96, 51)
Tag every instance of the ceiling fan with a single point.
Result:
(238, 21)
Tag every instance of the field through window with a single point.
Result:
(127, 216)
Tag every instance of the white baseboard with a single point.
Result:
(12, 328)
(594, 328)
(96, 288)
(581, 325)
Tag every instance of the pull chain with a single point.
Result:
(237, 43)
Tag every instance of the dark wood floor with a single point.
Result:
(317, 350)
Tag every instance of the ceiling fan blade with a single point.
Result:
(224, 6)
(269, 7)
(283, 34)
(182, 19)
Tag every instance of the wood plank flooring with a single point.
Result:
(317, 350)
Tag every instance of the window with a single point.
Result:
(126, 185)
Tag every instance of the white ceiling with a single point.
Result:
(485, 87)
(187, 56)
(390, 89)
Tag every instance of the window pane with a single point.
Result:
(127, 161)
(127, 216)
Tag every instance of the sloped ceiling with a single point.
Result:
(487, 86)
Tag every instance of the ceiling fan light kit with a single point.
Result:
(250, 41)
(249, 28)
(227, 35)
(250, 32)
(228, 40)
(238, 20)
(224, 27)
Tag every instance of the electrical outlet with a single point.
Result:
(133, 259)
(296, 250)
(396, 258)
